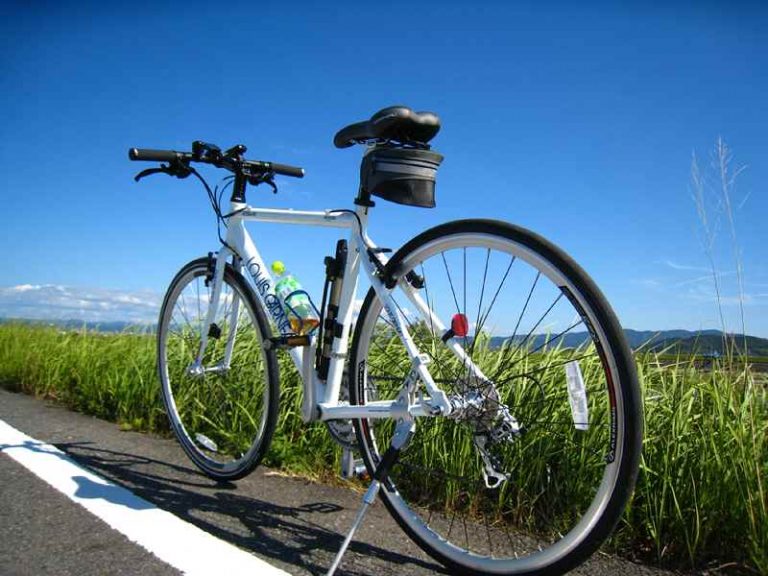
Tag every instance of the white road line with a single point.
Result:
(182, 545)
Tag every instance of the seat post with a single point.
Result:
(364, 198)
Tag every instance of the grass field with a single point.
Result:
(700, 503)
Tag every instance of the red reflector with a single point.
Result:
(460, 325)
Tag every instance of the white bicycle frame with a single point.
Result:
(321, 398)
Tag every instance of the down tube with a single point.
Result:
(263, 282)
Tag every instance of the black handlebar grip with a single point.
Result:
(287, 170)
(152, 155)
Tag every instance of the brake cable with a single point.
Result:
(181, 169)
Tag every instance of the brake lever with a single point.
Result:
(178, 169)
(268, 178)
(147, 172)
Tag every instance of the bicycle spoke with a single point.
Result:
(453, 519)
(466, 532)
(197, 290)
(220, 411)
(520, 346)
(411, 328)
(519, 320)
(488, 533)
(541, 319)
(183, 310)
(481, 323)
(464, 307)
(429, 303)
(516, 422)
(545, 368)
(525, 306)
(450, 281)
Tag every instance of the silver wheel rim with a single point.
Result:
(555, 551)
(189, 306)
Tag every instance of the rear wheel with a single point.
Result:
(224, 409)
(515, 481)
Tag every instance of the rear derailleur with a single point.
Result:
(492, 423)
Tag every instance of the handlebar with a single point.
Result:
(145, 154)
(232, 163)
(286, 170)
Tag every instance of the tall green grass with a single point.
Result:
(109, 376)
(554, 469)
(701, 498)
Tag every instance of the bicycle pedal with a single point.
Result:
(287, 341)
(352, 467)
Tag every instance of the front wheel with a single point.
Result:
(533, 468)
(223, 406)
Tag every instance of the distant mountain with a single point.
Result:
(111, 327)
(673, 341)
(669, 341)
(571, 340)
(712, 344)
(638, 338)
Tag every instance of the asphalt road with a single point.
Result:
(293, 524)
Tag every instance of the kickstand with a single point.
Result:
(403, 433)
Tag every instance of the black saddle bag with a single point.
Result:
(402, 175)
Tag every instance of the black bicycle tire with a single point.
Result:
(619, 350)
(255, 456)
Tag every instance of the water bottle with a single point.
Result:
(299, 309)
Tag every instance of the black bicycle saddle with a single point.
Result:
(398, 123)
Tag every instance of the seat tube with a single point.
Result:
(341, 343)
(348, 293)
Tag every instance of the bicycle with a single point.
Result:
(487, 384)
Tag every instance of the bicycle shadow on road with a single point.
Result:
(86, 487)
(306, 536)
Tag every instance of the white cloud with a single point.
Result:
(707, 279)
(704, 293)
(652, 283)
(25, 288)
(55, 302)
(686, 267)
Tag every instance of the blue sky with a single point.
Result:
(577, 120)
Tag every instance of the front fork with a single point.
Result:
(215, 278)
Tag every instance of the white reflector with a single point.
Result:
(577, 395)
